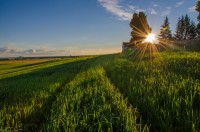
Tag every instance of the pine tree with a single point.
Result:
(192, 31)
(186, 26)
(198, 30)
(178, 35)
(165, 32)
(182, 27)
(140, 28)
(198, 18)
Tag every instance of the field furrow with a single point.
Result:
(102, 93)
(91, 103)
(167, 94)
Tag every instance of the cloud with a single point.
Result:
(122, 12)
(192, 9)
(114, 7)
(3, 49)
(29, 51)
(179, 3)
(154, 4)
(49, 51)
(39, 50)
(13, 51)
(153, 11)
(16, 51)
(136, 9)
(166, 12)
(8, 50)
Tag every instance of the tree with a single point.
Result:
(182, 27)
(198, 18)
(165, 32)
(198, 6)
(198, 30)
(178, 35)
(192, 31)
(186, 27)
(140, 28)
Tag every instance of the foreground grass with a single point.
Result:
(104, 93)
(167, 93)
(25, 98)
(73, 96)
(91, 103)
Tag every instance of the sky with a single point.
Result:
(79, 27)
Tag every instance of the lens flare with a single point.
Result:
(150, 38)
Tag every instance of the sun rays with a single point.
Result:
(150, 38)
(148, 48)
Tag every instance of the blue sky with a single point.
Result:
(79, 27)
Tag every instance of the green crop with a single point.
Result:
(101, 93)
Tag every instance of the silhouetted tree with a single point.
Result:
(186, 26)
(178, 35)
(198, 18)
(182, 27)
(198, 6)
(165, 32)
(140, 28)
(185, 29)
(192, 31)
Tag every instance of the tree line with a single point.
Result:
(185, 28)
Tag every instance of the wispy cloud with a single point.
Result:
(122, 12)
(114, 7)
(8, 50)
(136, 9)
(153, 11)
(179, 3)
(154, 4)
(16, 51)
(3, 49)
(166, 12)
(192, 9)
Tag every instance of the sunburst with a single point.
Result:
(150, 38)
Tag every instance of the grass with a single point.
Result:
(101, 93)
(167, 93)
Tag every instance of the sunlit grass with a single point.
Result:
(105, 93)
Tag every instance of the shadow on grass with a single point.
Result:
(33, 64)
(13, 91)
(27, 67)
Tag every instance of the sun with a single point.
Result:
(150, 38)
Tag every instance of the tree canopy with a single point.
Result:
(165, 32)
(198, 18)
(140, 28)
(185, 29)
(198, 6)
(192, 31)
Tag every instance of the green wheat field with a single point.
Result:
(101, 93)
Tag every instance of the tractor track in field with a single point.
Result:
(35, 121)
